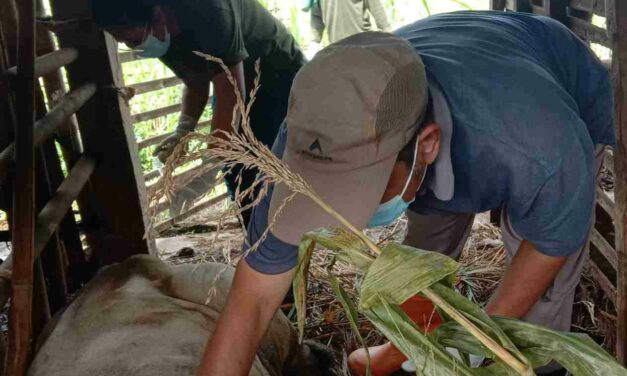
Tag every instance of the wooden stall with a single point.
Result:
(186, 201)
(602, 23)
(69, 213)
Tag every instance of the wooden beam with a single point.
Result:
(606, 285)
(604, 248)
(121, 208)
(606, 202)
(618, 27)
(45, 127)
(43, 65)
(51, 215)
(20, 313)
(153, 114)
(162, 83)
(589, 32)
(589, 6)
(68, 136)
(129, 56)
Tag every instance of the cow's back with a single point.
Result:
(144, 318)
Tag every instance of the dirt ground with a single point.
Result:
(481, 266)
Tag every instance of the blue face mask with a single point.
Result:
(391, 210)
(153, 47)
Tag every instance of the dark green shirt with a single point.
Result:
(233, 30)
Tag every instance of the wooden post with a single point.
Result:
(557, 9)
(20, 324)
(618, 29)
(119, 217)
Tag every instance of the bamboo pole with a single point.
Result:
(51, 215)
(45, 127)
(20, 324)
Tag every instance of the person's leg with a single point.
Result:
(444, 233)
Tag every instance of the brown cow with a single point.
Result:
(142, 317)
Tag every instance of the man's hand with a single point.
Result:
(529, 276)
(252, 302)
(186, 124)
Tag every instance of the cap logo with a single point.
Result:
(315, 152)
(315, 146)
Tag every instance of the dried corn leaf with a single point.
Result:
(402, 272)
(348, 248)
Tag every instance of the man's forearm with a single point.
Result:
(252, 302)
(195, 98)
(529, 276)
(225, 97)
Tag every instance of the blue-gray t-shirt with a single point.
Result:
(528, 101)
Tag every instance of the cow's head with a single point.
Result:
(309, 359)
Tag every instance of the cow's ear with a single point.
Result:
(313, 359)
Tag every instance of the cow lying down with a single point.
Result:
(145, 318)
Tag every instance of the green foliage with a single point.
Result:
(401, 272)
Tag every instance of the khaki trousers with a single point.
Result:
(448, 233)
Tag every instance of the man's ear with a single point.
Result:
(429, 144)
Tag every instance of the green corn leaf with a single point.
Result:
(402, 272)
(578, 353)
(351, 314)
(480, 319)
(430, 357)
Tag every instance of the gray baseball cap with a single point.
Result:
(352, 109)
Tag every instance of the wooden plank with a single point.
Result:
(120, 209)
(20, 313)
(606, 285)
(45, 127)
(129, 56)
(604, 248)
(43, 65)
(162, 83)
(590, 6)
(157, 139)
(153, 114)
(51, 215)
(606, 202)
(618, 26)
(589, 32)
(68, 136)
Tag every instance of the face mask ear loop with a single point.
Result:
(413, 167)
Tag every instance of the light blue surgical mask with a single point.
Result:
(391, 210)
(153, 47)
